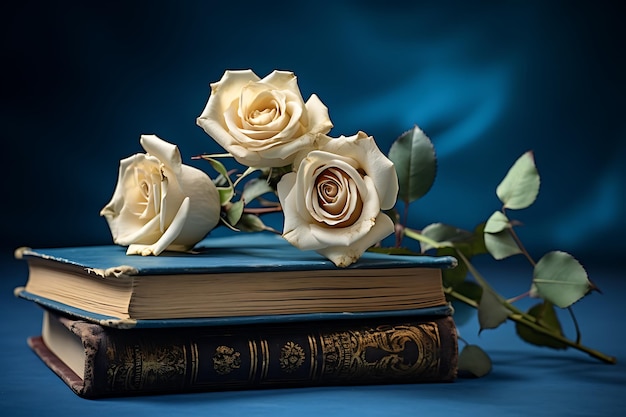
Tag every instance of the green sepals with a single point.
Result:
(491, 310)
(520, 186)
(559, 278)
(474, 362)
(546, 316)
(413, 155)
(498, 241)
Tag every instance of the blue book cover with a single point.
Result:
(273, 281)
(241, 253)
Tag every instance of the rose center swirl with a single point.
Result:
(338, 198)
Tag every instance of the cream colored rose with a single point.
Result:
(262, 123)
(159, 203)
(332, 203)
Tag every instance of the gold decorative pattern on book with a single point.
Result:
(401, 350)
(226, 359)
(136, 367)
(291, 357)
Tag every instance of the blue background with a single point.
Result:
(486, 81)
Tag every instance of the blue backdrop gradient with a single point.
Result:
(486, 81)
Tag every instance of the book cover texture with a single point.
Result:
(151, 361)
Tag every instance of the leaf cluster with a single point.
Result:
(236, 213)
(557, 280)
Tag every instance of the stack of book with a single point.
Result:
(240, 312)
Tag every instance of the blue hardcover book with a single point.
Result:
(242, 279)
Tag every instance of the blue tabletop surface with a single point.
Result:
(525, 380)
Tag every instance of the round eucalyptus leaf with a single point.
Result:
(546, 316)
(443, 234)
(473, 361)
(520, 186)
(501, 245)
(497, 222)
(559, 278)
(413, 155)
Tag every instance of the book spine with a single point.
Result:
(151, 361)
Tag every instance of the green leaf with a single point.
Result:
(452, 277)
(546, 316)
(470, 243)
(520, 186)
(478, 246)
(497, 222)
(559, 278)
(226, 194)
(415, 161)
(491, 312)
(250, 223)
(474, 361)
(501, 245)
(444, 234)
(219, 167)
(234, 212)
(255, 188)
(498, 241)
(471, 290)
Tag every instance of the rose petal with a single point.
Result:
(171, 233)
(167, 153)
(161, 204)
(317, 112)
(343, 256)
(262, 122)
(376, 165)
(129, 233)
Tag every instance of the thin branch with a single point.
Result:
(516, 314)
(521, 246)
(522, 319)
(571, 313)
(262, 210)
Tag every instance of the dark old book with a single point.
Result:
(237, 276)
(98, 361)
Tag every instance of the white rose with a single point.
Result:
(332, 203)
(262, 123)
(159, 203)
